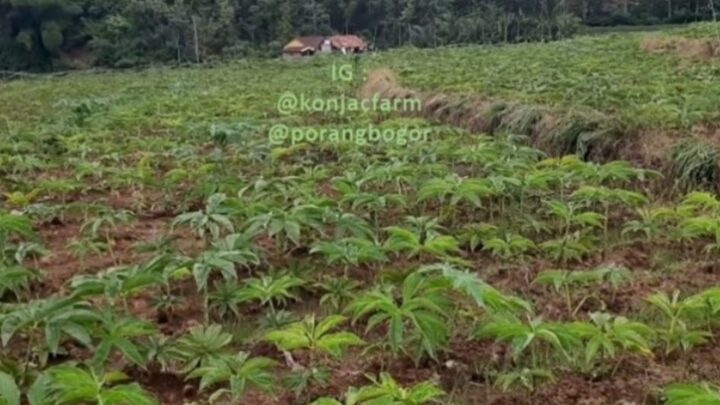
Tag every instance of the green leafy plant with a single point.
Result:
(692, 394)
(103, 226)
(83, 247)
(526, 378)
(26, 251)
(299, 380)
(241, 372)
(509, 246)
(120, 333)
(677, 331)
(315, 336)
(699, 203)
(224, 300)
(73, 385)
(349, 225)
(700, 227)
(386, 390)
(158, 351)
(425, 226)
(695, 163)
(350, 252)
(606, 335)
(200, 347)
(607, 198)
(567, 281)
(16, 280)
(338, 291)
(542, 339)
(115, 284)
(417, 318)
(209, 223)
(404, 240)
(225, 257)
(9, 391)
(652, 223)
(571, 247)
(270, 290)
(46, 323)
(473, 235)
(455, 190)
(286, 224)
(14, 225)
(373, 203)
(571, 217)
(483, 294)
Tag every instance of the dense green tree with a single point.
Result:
(37, 34)
(33, 32)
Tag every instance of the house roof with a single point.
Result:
(301, 44)
(347, 41)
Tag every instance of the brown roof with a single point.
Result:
(300, 44)
(347, 41)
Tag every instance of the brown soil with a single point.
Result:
(462, 370)
(62, 264)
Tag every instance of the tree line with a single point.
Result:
(49, 34)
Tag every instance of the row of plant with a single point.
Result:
(646, 90)
(420, 315)
(578, 206)
(575, 206)
(149, 231)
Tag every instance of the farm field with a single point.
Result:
(610, 74)
(159, 246)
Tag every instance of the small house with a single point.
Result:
(303, 46)
(311, 45)
(347, 44)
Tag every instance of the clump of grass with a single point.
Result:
(437, 105)
(601, 143)
(521, 120)
(696, 163)
(493, 116)
(452, 109)
(572, 132)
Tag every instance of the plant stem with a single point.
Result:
(28, 356)
(568, 300)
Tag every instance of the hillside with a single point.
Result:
(648, 97)
(520, 224)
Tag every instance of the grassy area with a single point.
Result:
(610, 74)
(700, 30)
(241, 90)
(619, 29)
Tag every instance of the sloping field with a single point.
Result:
(651, 98)
(219, 235)
(610, 74)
